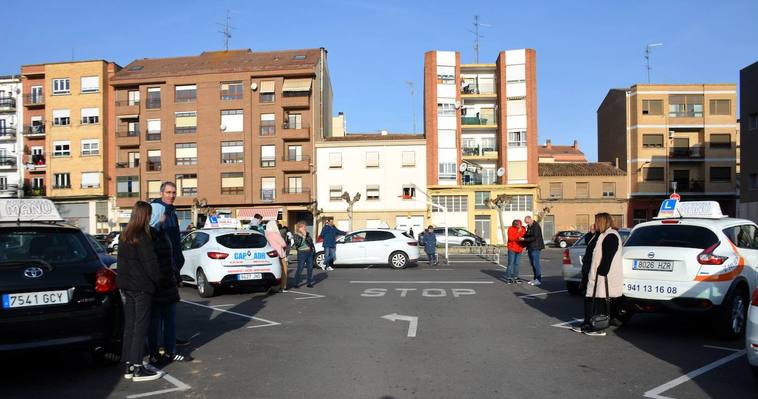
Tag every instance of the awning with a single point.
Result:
(130, 116)
(267, 213)
(267, 86)
(297, 85)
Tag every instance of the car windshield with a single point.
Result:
(685, 236)
(242, 240)
(54, 246)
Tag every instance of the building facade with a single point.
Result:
(550, 153)
(68, 129)
(481, 127)
(233, 129)
(749, 139)
(11, 142)
(572, 193)
(671, 137)
(389, 172)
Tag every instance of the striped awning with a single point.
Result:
(267, 213)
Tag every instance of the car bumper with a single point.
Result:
(751, 336)
(572, 273)
(232, 281)
(683, 292)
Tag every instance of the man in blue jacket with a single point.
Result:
(329, 234)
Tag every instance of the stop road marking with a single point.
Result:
(426, 292)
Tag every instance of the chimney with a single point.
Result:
(576, 144)
(548, 144)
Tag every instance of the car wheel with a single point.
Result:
(622, 317)
(398, 260)
(106, 356)
(115, 248)
(204, 288)
(563, 244)
(320, 260)
(573, 287)
(467, 243)
(732, 315)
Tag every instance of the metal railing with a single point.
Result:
(8, 133)
(34, 130)
(692, 186)
(296, 190)
(32, 191)
(686, 152)
(7, 102)
(296, 125)
(9, 187)
(127, 133)
(127, 103)
(8, 162)
(296, 158)
(34, 99)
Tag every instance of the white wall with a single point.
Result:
(13, 120)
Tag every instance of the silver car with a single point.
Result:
(457, 236)
(572, 261)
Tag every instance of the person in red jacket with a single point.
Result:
(515, 235)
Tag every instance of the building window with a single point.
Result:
(453, 203)
(517, 138)
(185, 122)
(186, 154)
(652, 107)
(154, 189)
(294, 185)
(721, 140)
(409, 158)
(91, 180)
(609, 189)
(90, 147)
(652, 141)
(232, 120)
(335, 193)
(720, 174)
(480, 199)
(583, 222)
(753, 181)
(132, 97)
(372, 192)
(446, 75)
(519, 203)
(90, 116)
(372, 159)
(445, 109)
(38, 183)
(582, 190)
(556, 190)
(153, 98)
(652, 173)
(268, 91)
(268, 188)
(231, 90)
(186, 184)
(447, 171)
(268, 124)
(62, 180)
(185, 94)
(153, 160)
(90, 84)
(61, 117)
(153, 129)
(294, 153)
(687, 106)
(232, 152)
(61, 86)
(294, 121)
(335, 160)
(268, 156)
(720, 107)
(61, 148)
(409, 192)
(232, 183)
(639, 216)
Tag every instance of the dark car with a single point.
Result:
(567, 238)
(101, 238)
(102, 253)
(55, 290)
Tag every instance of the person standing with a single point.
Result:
(605, 278)
(329, 234)
(430, 245)
(138, 278)
(410, 232)
(256, 223)
(275, 239)
(591, 240)
(534, 246)
(303, 243)
(515, 234)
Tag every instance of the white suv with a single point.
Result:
(373, 246)
(698, 264)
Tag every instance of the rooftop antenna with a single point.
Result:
(413, 103)
(477, 36)
(647, 58)
(227, 32)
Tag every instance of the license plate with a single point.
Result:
(654, 265)
(44, 298)
(249, 276)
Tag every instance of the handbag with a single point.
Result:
(601, 321)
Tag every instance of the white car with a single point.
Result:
(572, 262)
(373, 246)
(700, 262)
(113, 246)
(215, 258)
(751, 334)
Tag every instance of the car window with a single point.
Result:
(440, 231)
(742, 236)
(685, 236)
(242, 240)
(200, 240)
(96, 245)
(187, 241)
(356, 237)
(54, 246)
(379, 236)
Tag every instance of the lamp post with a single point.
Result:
(346, 196)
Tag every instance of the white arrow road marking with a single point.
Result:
(413, 322)
(308, 294)
(269, 323)
(178, 385)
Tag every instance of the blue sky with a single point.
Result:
(583, 47)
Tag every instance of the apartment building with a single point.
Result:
(749, 139)
(550, 153)
(11, 143)
(572, 193)
(671, 138)
(68, 128)
(387, 170)
(481, 127)
(234, 129)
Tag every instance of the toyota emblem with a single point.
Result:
(651, 254)
(33, 272)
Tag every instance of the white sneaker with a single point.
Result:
(535, 283)
(329, 268)
(322, 267)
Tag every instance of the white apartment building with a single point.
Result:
(11, 141)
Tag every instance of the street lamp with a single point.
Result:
(346, 196)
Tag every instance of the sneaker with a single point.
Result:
(177, 358)
(129, 373)
(594, 333)
(509, 281)
(142, 373)
(329, 268)
(580, 328)
(309, 285)
(182, 342)
(284, 290)
(518, 281)
(156, 361)
(535, 283)
(322, 267)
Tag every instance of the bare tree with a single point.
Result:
(346, 196)
(500, 203)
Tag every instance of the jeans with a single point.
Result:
(304, 258)
(330, 255)
(534, 259)
(514, 259)
(432, 256)
(162, 325)
(137, 306)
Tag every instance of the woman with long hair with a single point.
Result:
(306, 250)
(515, 235)
(275, 239)
(138, 278)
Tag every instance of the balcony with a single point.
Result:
(296, 99)
(153, 136)
(8, 134)
(153, 166)
(295, 194)
(295, 131)
(127, 138)
(479, 152)
(34, 100)
(686, 153)
(474, 90)
(8, 162)
(127, 194)
(690, 186)
(38, 163)
(300, 163)
(127, 165)
(268, 194)
(7, 104)
(9, 190)
(34, 191)
(34, 131)
(127, 109)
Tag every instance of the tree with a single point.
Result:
(500, 203)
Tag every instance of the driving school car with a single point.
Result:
(229, 258)
(692, 259)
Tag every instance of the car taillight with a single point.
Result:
(754, 302)
(272, 254)
(670, 221)
(105, 280)
(413, 243)
(708, 258)
(218, 255)
(566, 257)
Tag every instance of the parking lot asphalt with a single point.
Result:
(451, 331)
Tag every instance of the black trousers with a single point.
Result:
(137, 305)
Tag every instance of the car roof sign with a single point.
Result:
(215, 222)
(28, 210)
(690, 209)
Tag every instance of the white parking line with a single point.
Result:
(438, 269)
(568, 324)
(419, 282)
(178, 386)
(269, 322)
(531, 296)
(656, 392)
(308, 294)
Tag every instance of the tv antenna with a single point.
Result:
(227, 32)
(477, 36)
(647, 58)
(413, 103)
